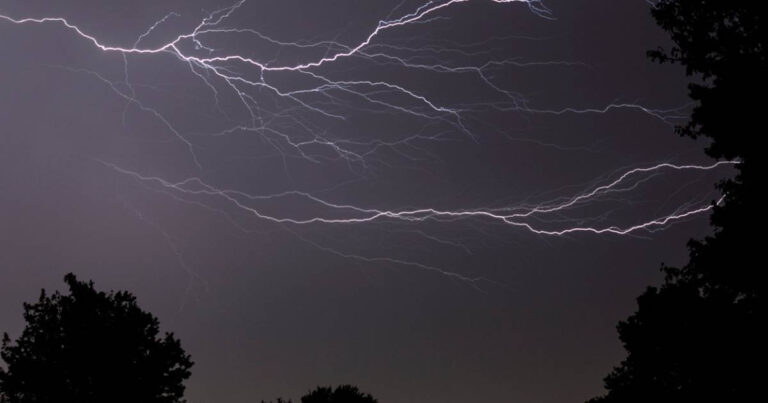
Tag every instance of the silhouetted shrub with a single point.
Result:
(327, 394)
(341, 394)
(698, 337)
(92, 347)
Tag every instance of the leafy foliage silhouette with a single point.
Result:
(697, 337)
(91, 347)
(327, 394)
(341, 394)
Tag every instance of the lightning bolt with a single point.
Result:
(510, 215)
(289, 124)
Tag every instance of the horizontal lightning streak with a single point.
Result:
(218, 69)
(368, 215)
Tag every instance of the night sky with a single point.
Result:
(434, 216)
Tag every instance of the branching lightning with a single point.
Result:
(323, 95)
(512, 215)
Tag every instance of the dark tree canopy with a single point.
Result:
(723, 42)
(341, 394)
(327, 394)
(697, 337)
(91, 347)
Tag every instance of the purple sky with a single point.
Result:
(411, 307)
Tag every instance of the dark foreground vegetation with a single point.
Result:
(89, 346)
(697, 337)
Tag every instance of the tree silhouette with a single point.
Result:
(697, 337)
(327, 394)
(342, 394)
(91, 347)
